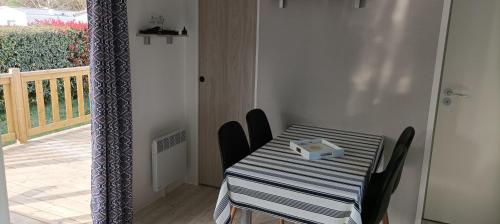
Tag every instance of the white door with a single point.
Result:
(4, 201)
(464, 179)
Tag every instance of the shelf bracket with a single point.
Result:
(147, 40)
(170, 40)
(281, 4)
(356, 4)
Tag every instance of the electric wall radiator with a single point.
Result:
(169, 159)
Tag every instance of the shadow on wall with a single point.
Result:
(325, 63)
(357, 65)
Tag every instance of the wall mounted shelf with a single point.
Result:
(169, 38)
(356, 4)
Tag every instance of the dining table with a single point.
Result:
(278, 181)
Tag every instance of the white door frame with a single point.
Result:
(4, 201)
(431, 120)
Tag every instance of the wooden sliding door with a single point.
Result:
(227, 73)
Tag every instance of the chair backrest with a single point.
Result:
(259, 130)
(233, 144)
(405, 139)
(379, 191)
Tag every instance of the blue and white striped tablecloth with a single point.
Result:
(277, 181)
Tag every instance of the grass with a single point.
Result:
(62, 111)
(48, 115)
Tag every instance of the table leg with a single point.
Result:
(246, 216)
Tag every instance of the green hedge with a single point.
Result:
(33, 49)
(38, 48)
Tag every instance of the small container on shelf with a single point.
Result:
(158, 29)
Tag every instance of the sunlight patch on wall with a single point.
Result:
(404, 85)
(401, 12)
(362, 80)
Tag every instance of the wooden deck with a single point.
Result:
(48, 181)
(48, 178)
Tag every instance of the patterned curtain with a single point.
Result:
(111, 112)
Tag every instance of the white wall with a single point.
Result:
(191, 87)
(159, 87)
(325, 63)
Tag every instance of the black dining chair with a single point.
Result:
(405, 139)
(233, 146)
(378, 194)
(259, 130)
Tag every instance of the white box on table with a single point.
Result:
(313, 149)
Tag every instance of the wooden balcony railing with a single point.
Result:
(23, 91)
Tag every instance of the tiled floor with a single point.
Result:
(189, 204)
(48, 179)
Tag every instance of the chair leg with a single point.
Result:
(386, 219)
(282, 221)
(233, 213)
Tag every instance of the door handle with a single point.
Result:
(451, 92)
(202, 79)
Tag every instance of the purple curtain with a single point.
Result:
(111, 112)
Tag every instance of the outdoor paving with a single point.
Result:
(48, 179)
